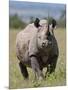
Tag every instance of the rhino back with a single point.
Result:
(23, 39)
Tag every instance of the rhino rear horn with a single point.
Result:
(36, 22)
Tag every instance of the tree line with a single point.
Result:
(16, 22)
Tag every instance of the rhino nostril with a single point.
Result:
(43, 44)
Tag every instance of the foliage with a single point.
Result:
(61, 23)
(62, 19)
(16, 22)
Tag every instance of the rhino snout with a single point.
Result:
(43, 44)
(46, 43)
(50, 43)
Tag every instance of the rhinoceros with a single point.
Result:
(36, 47)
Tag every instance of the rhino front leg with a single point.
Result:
(52, 65)
(36, 68)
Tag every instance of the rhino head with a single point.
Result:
(44, 37)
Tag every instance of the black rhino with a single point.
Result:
(36, 47)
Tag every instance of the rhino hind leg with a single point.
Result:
(23, 70)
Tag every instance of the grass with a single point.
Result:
(58, 78)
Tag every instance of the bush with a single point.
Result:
(61, 23)
(16, 22)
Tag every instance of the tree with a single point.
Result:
(16, 22)
(63, 14)
(62, 19)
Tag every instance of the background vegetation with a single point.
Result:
(16, 22)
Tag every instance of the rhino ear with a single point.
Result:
(53, 23)
(36, 23)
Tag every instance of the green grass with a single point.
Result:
(58, 78)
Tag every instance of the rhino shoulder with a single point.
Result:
(33, 50)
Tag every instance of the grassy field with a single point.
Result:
(58, 78)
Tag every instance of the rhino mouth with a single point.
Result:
(46, 44)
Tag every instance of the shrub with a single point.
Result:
(16, 22)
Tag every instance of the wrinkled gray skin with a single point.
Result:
(37, 48)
